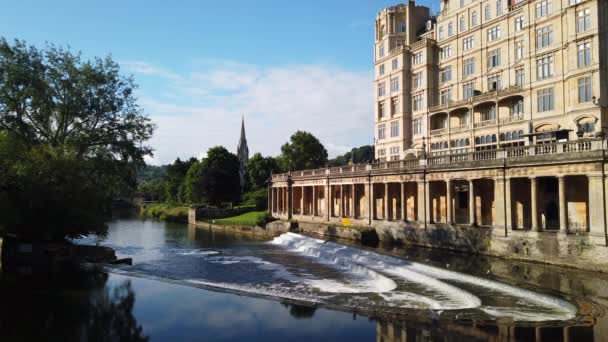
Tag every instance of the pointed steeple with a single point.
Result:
(242, 152)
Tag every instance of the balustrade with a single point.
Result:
(512, 152)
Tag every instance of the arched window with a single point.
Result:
(462, 28)
(441, 33)
(515, 135)
(498, 7)
(452, 143)
(493, 138)
(521, 134)
(502, 137)
(477, 140)
(474, 19)
(450, 29)
(483, 140)
(508, 136)
(488, 12)
(467, 142)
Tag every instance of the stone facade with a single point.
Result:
(484, 75)
(540, 202)
(489, 134)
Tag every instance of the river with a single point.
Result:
(191, 283)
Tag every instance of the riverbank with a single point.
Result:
(165, 212)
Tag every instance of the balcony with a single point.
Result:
(485, 123)
(439, 131)
(460, 128)
(512, 118)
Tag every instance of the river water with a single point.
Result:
(191, 283)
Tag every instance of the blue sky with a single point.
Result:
(285, 65)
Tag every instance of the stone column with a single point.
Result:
(341, 200)
(499, 202)
(403, 211)
(472, 204)
(448, 198)
(352, 201)
(596, 206)
(534, 202)
(328, 200)
(386, 201)
(508, 203)
(302, 199)
(563, 215)
(421, 198)
(371, 203)
(314, 200)
(290, 203)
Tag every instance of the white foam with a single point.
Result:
(351, 258)
(199, 252)
(428, 276)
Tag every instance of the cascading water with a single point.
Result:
(449, 295)
(302, 268)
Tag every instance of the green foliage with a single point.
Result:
(257, 198)
(259, 169)
(174, 180)
(151, 172)
(152, 190)
(215, 179)
(357, 155)
(252, 218)
(304, 151)
(165, 212)
(72, 138)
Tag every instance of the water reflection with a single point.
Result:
(389, 331)
(300, 311)
(74, 306)
(102, 306)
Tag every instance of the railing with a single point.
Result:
(545, 149)
(485, 96)
(438, 131)
(512, 118)
(517, 152)
(577, 146)
(485, 123)
(512, 89)
(474, 156)
(459, 128)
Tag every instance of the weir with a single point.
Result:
(544, 203)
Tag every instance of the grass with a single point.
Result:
(165, 212)
(252, 218)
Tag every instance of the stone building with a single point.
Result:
(489, 128)
(242, 152)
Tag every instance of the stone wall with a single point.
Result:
(577, 251)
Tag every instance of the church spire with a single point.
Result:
(242, 152)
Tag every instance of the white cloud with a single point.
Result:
(203, 108)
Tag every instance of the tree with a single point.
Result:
(174, 180)
(73, 136)
(215, 179)
(357, 155)
(304, 151)
(259, 169)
